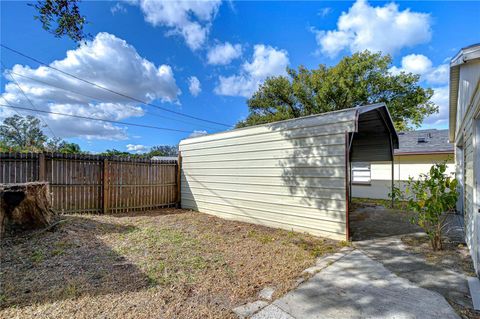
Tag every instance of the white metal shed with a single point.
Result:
(292, 174)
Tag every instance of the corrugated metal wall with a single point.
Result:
(288, 174)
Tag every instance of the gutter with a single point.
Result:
(424, 153)
(465, 55)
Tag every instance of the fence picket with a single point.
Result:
(95, 184)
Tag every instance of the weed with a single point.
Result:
(264, 238)
(71, 290)
(37, 257)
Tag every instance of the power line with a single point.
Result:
(95, 119)
(9, 103)
(92, 97)
(24, 94)
(110, 90)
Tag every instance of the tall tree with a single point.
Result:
(60, 146)
(22, 133)
(363, 78)
(61, 18)
(163, 150)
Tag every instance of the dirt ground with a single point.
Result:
(371, 219)
(454, 256)
(163, 264)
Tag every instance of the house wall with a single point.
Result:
(287, 174)
(404, 167)
(467, 140)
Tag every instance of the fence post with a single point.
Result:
(41, 167)
(179, 183)
(105, 187)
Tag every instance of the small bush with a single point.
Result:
(431, 197)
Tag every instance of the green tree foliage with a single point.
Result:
(22, 134)
(115, 152)
(61, 17)
(159, 150)
(58, 145)
(163, 150)
(25, 134)
(360, 79)
(432, 197)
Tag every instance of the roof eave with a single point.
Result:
(463, 56)
(424, 152)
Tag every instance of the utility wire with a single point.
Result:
(109, 90)
(95, 98)
(24, 94)
(95, 119)
(9, 103)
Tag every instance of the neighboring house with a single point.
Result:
(418, 151)
(465, 133)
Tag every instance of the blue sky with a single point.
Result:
(205, 58)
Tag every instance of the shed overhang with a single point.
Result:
(375, 138)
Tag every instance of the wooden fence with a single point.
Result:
(96, 184)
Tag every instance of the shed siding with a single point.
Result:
(287, 174)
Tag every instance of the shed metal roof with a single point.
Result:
(424, 142)
(370, 126)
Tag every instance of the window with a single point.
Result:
(361, 173)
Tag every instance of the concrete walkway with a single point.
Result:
(356, 286)
(392, 253)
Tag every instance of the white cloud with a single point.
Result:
(224, 53)
(266, 61)
(137, 148)
(198, 133)
(386, 29)
(422, 65)
(108, 61)
(118, 8)
(324, 12)
(440, 97)
(439, 74)
(189, 19)
(194, 86)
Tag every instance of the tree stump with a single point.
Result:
(25, 206)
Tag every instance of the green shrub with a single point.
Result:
(431, 197)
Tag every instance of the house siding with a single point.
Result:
(468, 105)
(287, 174)
(405, 166)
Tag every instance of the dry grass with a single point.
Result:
(163, 264)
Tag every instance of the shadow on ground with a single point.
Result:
(358, 287)
(378, 232)
(67, 262)
(371, 221)
(392, 253)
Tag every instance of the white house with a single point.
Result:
(417, 152)
(464, 123)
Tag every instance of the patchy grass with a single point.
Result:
(168, 263)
